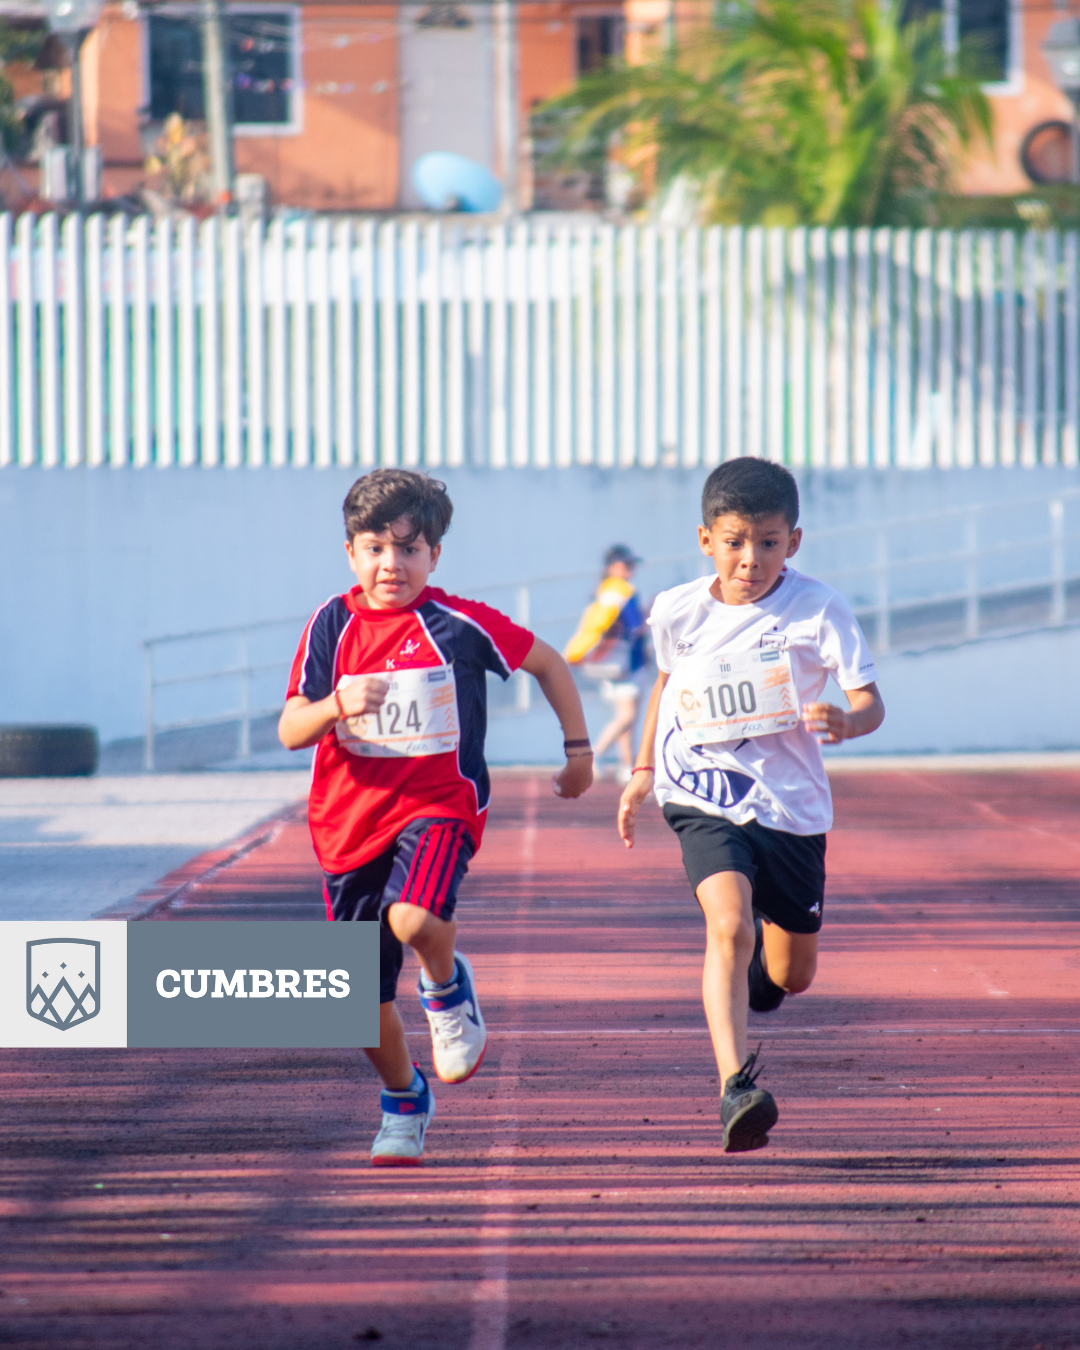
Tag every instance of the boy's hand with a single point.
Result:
(635, 792)
(575, 777)
(827, 722)
(365, 694)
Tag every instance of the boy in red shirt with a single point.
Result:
(390, 684)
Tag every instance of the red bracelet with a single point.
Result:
(642, 768)
(340, 706)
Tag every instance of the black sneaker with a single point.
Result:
(747, 1112)
(764, 995)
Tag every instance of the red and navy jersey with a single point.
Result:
(358, 806)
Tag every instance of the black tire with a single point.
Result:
(1045, 152)
(47, 751)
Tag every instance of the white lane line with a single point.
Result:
(792, 1031)
(491, 1297)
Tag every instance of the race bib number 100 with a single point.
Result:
(734, 697)
(419, 717)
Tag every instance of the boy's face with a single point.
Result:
(391, 571)
(749, 555)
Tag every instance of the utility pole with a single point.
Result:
(217, 101)
(506, 100)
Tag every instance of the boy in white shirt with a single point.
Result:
(738, 771)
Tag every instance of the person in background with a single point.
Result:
(609, 646)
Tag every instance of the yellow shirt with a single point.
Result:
(611, 595)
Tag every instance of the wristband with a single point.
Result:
(642, 768)
(342, 715)
(578, 745)
(578, 754)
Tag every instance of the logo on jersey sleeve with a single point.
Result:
(722, 787)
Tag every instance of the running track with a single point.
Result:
(922, 1187)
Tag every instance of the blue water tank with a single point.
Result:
(449, 182)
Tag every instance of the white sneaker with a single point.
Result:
(458, 1034)
(406, 1116)
(623, 775)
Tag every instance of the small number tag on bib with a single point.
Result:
(419, 717)
(734, 697)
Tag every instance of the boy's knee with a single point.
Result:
(793, 977)
(410, 922)
(730, 929)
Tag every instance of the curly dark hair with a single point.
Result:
(382, 496)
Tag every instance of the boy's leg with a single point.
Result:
(746, 1111)
(431, 938)
(432, 857)
(789, 959)
(620, 729)
(408, 1106)
(391, 1058)
(407, 1103)
(789, 897)
(719, 862)
(726, 901)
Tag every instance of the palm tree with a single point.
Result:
(831, 112)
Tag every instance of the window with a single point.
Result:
(598, 40)
(985, 24)
(261, 45)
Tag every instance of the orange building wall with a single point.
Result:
(345, 155)
(998, 172)
(547, 61)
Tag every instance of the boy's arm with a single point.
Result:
(303, 723)
(553, 676)
(831, 724)
(641, 781)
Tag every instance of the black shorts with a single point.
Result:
(423, 866)
(787, 871)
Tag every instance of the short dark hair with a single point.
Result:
(375, 501)
(752, 488)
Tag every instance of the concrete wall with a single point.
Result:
(92, 561)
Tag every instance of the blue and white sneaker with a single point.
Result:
(458, 1034)
(406, 1117)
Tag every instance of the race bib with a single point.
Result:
(419, 717)
(731, 698)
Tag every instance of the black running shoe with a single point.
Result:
(764, 995)
(747, 1112)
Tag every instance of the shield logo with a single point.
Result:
(63, 976)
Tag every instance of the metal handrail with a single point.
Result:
(878, 569)
(245, 670)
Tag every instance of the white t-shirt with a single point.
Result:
(778, 780)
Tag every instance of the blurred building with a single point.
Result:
(1008, 33)
(334, 102)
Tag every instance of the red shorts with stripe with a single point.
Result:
(424, 866)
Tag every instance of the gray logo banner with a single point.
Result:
(244, 984)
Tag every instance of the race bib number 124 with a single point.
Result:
(419, 717)
(735, 697)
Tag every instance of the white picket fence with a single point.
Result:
(355, 342)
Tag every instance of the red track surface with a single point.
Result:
(922, 1186)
